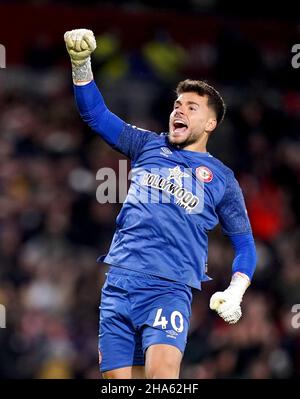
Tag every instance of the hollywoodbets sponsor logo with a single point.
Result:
(185, 198)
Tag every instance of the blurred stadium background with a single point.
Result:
(51, 226)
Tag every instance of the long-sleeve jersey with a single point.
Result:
(175, 198)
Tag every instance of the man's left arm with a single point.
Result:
(235, 224)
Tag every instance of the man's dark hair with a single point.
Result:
(214, 99)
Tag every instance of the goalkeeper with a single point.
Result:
(159, 249)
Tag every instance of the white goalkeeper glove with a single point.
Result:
(227, 303)
(80, 44)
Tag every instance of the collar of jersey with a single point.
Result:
(190, 153)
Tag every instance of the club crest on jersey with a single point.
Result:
(204, 174)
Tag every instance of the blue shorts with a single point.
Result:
(138, 310)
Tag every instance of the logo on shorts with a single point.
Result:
(204, 174)
(171, 334)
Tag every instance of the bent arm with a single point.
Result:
(125, 138)
(227, 303)
(80, 44)
(236, 225)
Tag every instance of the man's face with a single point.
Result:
(189, 119)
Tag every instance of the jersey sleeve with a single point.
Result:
(231, 209)
(123, 137)
(235, 224)
(245, 254)
(132, 140)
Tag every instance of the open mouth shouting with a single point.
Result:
(179, 127)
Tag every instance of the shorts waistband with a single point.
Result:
(121, 271)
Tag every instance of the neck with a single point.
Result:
(199, 145)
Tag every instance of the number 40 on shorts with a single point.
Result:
(176, 320)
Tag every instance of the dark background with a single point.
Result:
(51, 226)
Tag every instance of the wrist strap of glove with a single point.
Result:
(82, 73)
(238, 285)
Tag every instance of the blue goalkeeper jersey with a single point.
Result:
(175, 198)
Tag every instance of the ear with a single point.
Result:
(211, 124)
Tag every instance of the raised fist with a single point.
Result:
(80, 44)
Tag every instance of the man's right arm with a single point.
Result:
(94, 112)
(127, 139)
